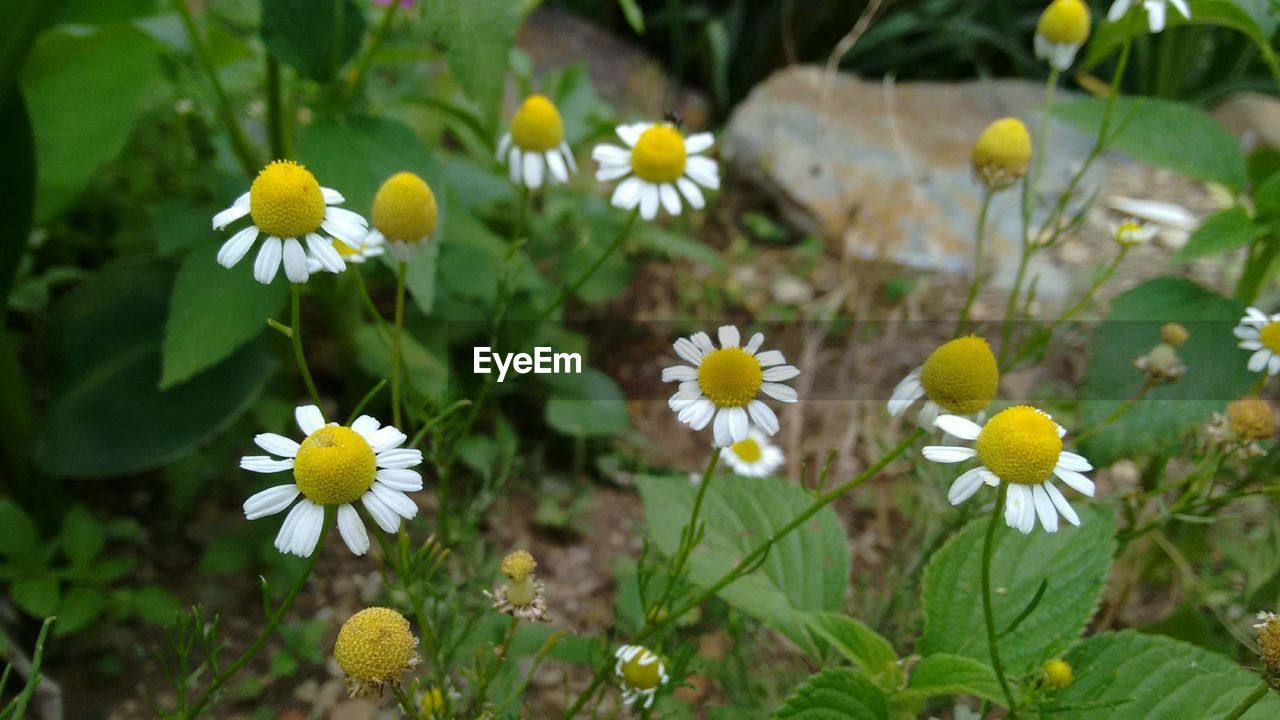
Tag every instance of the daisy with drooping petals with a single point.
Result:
(287, 204)
(371, 247)
(659, 165)
(1156, 11)
(753, 457)
(535, 149)
(640, 672)
(1063, 27)
(960, 377)
(1260, 333)
(335, 466)
(1020, 446)
(1133, 232)
(405, 215)
(723, 382)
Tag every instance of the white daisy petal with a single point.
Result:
(555, 163)
(384, 516)
(402, 480)
(322, 249)
(738, 423)
(704, 172)
(1118, 10)
(631, 133)
(515, 165)
(627, 195)
(947, 453)
(399, 459)
(703, 341)
(1259, 360)
(1044, 509)
(270, 501)
(533, 167)
(566, 152)
(276, 444)
(780, 373)
(728, 336)
(331, 196)
(234, 250)
(769, 358)
(965, 486)
(907, 391)
(231, 214)
(267, 264)
(721, 430)
(504, 144)
(688, 352)
(306, 534)
(309, 418)
(754, 343)
(649, 201)
(699, 142)
(1250, 345)
(691, 193)
(959, 427)
(611, 173)
(264, 464)
(394, 499)
(777, 391)
(679, 373)
(365, 426)
(607, 154)
(1072, 461)
(388, 438)
(351, 527)
(1061, 503)
(284, 538)
(698, 414)
(764, 418)
(1078, 482)
(670, 198)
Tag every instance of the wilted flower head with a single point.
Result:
(1251, 418)
(1269, 641)
(960, 377)
(1063, 27)
(523, 595)
(374, 648)
(1002, 154)
(405, 214)
(640, 672)
(1162, 364)
(1057, 673)
(1174, 334)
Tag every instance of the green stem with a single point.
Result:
(482, 687)
(295, 329)
(273, 620)
(1252, 698)
(568, 291)
(1041, 143)
(240, 144)
(1116, 414)
(987, 613)
(688, 537)
(396, 350)
(275, 111)
(1011, 308)
(366, 59)
(977, 261)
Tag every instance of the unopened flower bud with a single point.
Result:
(1057, 673)
(1174, 334)
(1002, 154)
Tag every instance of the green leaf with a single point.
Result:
(22, 25)
(860, 645)
(106, 415)
(1165, 133)
(17, 187)
(79, 607)
(476, 36)
(1074, 559)
(676, 245)
(1152, 676)
(155, 604)
(806, 571)
(314, 37)
(82, 536)
(835, 694)
(1255, 21)
(37, 595)
(1216, 368)
(422, 362)
(942, 674)
(1224, 230)
(591, 406)
(82, 93)
(213, 311)
(17, 531)
(421, 277)
(1266, 198)
(634, 15)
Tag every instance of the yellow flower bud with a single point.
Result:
(1002, 154)
(1065, 22)
(1057, 673)
(1174, 334)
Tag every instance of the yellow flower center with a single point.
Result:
(642, 676)
(1251, 418)
(404, 210)
(518, 565)
(1020, 445)
(1002, 153)
(1065, 22)
(374, 645)
(1057, 673)
(730, 377)
(961, 376)
(537, 125)
(659, 155)
(334, 466)
(748, 450)
(1269, 336)
(285, 200)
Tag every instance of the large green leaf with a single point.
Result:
(591, 406)
(82, 92)
(1165, 133)
(354, 155)
(106, 414)
(315, 37)
(1221, 231)
(1216, 368)
(1073, 560)
(860, 645)
(942, 674)
(1155, 678)
(17, 187)
(476, 36)
(806, 571)
(23, 22)
(213, 312)
(835, 694)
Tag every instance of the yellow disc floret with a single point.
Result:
(1020, 445)
(404, 210)
(1269, 336)
(518, 565)
(1251, 418)
(1174, 334)
(1002, 154)
(1057, 673)
(375, 645)
(643, 671)
(748, 450)
(1065, 22)
(659, 155)
(537, 125)
(285, 200)
(730, 377)
(334, 466)
(961, 376)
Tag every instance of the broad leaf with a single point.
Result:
(835, 694)
(590, 406)
(860, 645)
(1157, 678)
(1224, 230)
(314, 37)
(805, 571)
(82, 536)
(1075, 560)
(942, 674)
(1216, 368)
(476, 36)
(37, 595)
(79, 607)
(17, 187)
(17, 531)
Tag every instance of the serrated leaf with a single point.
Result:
(1224, 230)
(1216, 368)
(591, 406)
(806, 571)
(213, 311)
(314, 38)
(943, 674)
(1156, 678)
(476, 36)
(1075, 560)
(82, 536)
(1165, 133)
(36, 595)
(860, 645)
(835, 694)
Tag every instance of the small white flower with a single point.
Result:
(1175, 221)
(753, 457)
(1022, 447)
(1260, 334)
(1156, 11)
(372, 246)
(287, 204)
(335, 466)
(660, 166)
(722, 384)
(1133, 231)
(535, 148)
(640, 673)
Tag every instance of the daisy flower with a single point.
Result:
(1062, 29)
(723, 383)
(535, 147)
(523, 596)
(287, 204)
(659, 165)
(335, 466)
(1260, 333)
(1133, 232)
(371, 247)
(640, 673)
(404, 215)
(960, 377)
(1156, 11)
(1021, 446)
(753, 457)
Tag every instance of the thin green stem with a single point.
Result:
(980, 236)
(276, 135)
(688, 537)
(568, 291)
(396, 350)
(240, 144)
(366, 58)
(1119, 412)
(1248, 702)
(295, 330)
(482, 687)
(987, 612)
(1038, 152)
